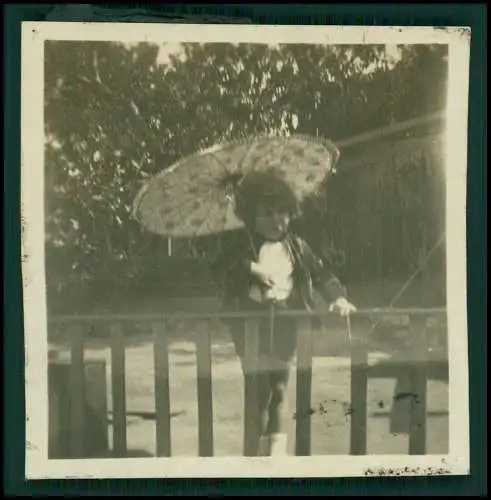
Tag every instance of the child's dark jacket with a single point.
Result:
(309, 272)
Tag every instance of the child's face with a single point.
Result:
(271, 222)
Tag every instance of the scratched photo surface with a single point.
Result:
(246, 251)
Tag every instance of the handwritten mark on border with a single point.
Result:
(409, 471)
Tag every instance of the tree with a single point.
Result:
(114, 116)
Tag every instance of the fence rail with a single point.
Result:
(416, 366)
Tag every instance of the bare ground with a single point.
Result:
(330, 387)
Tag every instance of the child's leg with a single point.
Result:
(263, 393)
(277, 409)
(263, 401)
(279, 377)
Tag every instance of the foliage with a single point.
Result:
(115, 115)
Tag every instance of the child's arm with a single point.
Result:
(327, 283)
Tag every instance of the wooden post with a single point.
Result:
(205, 393)
(96, 423)
(77, 393)
(251, 407)
(118, 378)
(162, 390)
(418, 376)
(94, 434)
(303, 414)
(57, 412)
(359, 392)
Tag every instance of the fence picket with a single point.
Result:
(251, 408)
(77, 393)
(303, 414)
(418, 377)
(205, 393)
(418, 367)
(118, 379)
(359, 391)
(162, 390)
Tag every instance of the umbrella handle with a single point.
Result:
(251, 243)
(348, 328)
(271, 331)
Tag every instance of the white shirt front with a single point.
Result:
(275, 264)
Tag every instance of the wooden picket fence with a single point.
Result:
(416, 365)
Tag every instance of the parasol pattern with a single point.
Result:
(195, 196)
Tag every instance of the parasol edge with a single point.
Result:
(332, 149)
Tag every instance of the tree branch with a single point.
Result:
(148, 132)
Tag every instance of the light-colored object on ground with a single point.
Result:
(278, 445)
(263, 449)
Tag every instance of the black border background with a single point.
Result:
(473, 15)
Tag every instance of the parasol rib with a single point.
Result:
(186, 195)
(242, 160)
(187, 224)
(202, 172)
(211, 212)
(190, 215)
(202, 187)
(225, 169)
(181, 208)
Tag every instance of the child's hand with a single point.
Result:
(342, 306)
(259, 272)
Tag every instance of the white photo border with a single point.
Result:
(38, 466)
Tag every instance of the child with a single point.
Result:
(273, 268)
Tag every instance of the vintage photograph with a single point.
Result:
(238, 244)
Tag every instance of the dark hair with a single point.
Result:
(264, 188)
